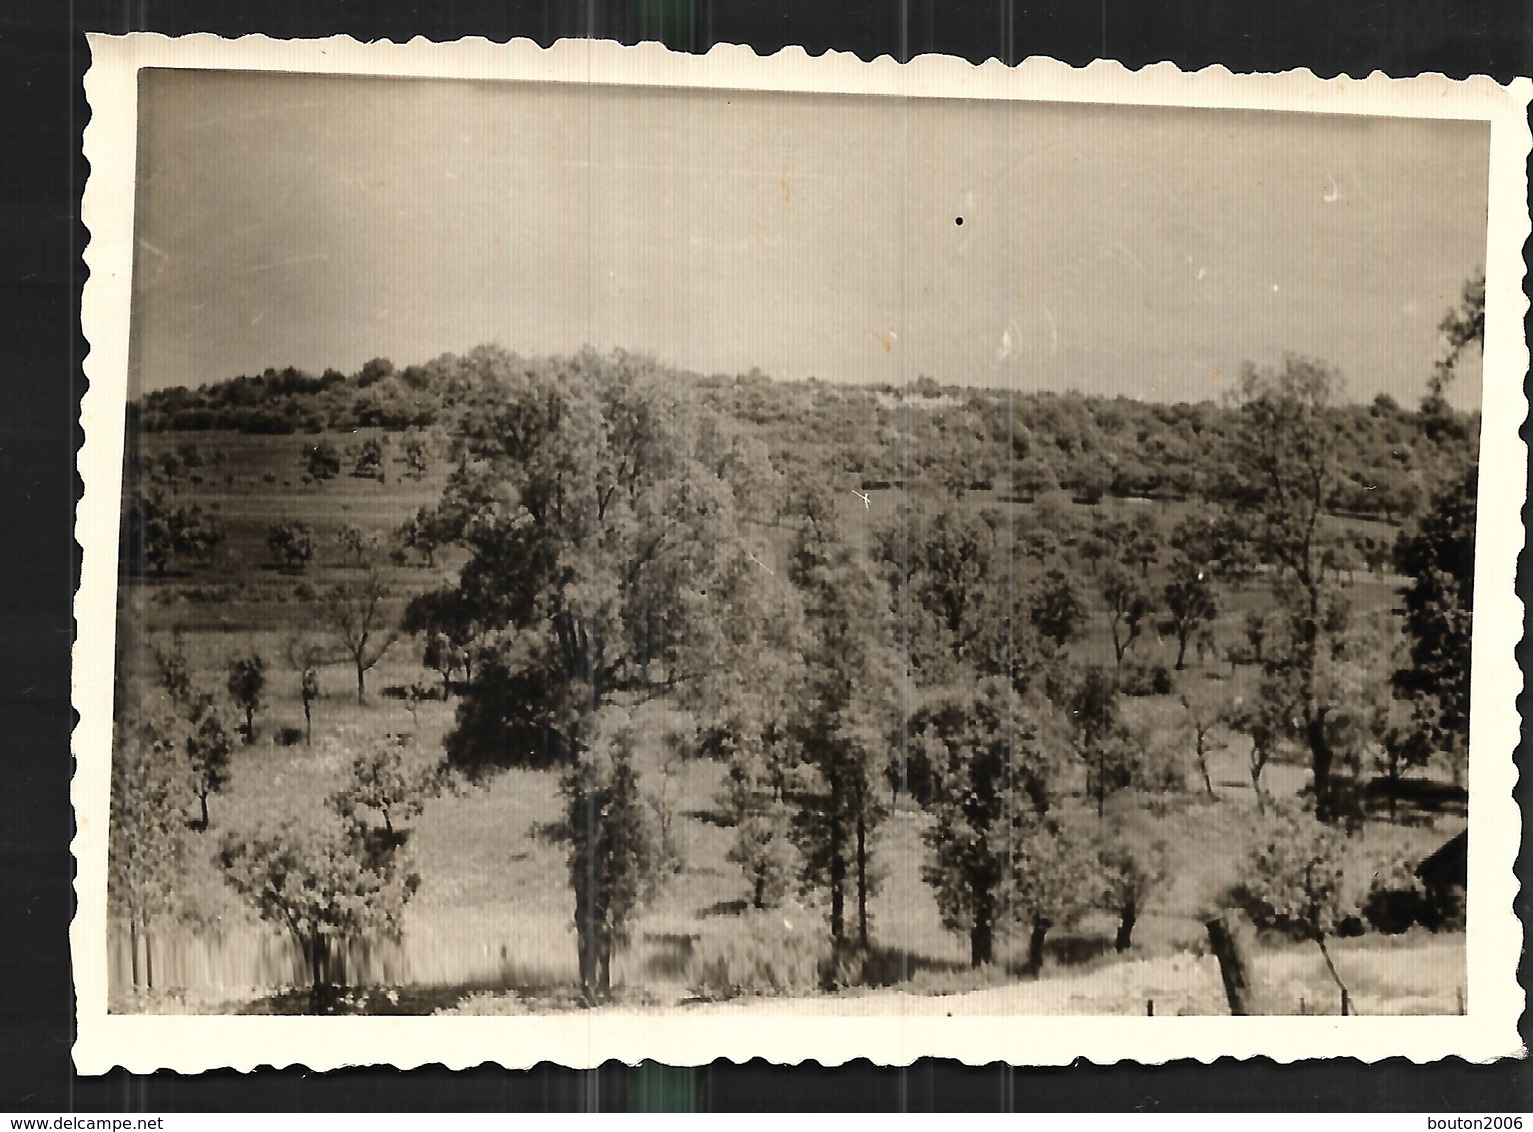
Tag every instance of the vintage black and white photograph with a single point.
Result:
(690, 553)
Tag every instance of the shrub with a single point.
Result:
(1140, 679)
(767, 955)
(321, 461)
(291, 544)
(1397, 900)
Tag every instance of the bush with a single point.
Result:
(767, 955)
(1139, 679)
(322, 462)
(291, 544)
(1397, 900)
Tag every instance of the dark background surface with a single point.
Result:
(43, 57)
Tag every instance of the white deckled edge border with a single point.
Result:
(813, 1031)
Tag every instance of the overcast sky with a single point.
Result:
(295, 220)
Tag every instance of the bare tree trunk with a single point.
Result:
(1128, 917)
(1227, 937)
(316, 975)
(1041, 926)
(1321, 756)
(133, 948)
(981, 940)
(862, 873)
(590, 962)
(361, 691)
(837, 904)
(149, 959)
(1346, 995)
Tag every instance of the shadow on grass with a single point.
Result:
(494, 997)
(897, 966)
(556, 832)
(670, 955)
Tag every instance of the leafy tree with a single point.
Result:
(1437, 555)
(304, 657)
(157, 532)
(291, 545)
(1215, 543)
(208, 746)
(1091, 701)
(1191, 604)
(1057, 609)
(454, 632)
(995, 775)
(1285, 471)
(382, 786)
(325, 884)
(1134, 544)
(172, 669)
(844, 717)
(356, 613)
(1463, 327)
(615, 853)
(444, 658)
(1206, 711)
(370, 460)
(750, 729)
(321, 461)
(1059, 879)
(309, 691)
(762, 822)
(356, 543)
(422, 533)
(373, 371)
(605, 559)
(195, 724)
(247, 683)
(1135, 867)
(1257, 628)
(962, 605)
(148, 831)
(1296, 880)
(616, 562)
(1128, 604)
(1265, 721)
(938, 559)
(417, 458)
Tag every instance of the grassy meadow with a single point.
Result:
(491, 928)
